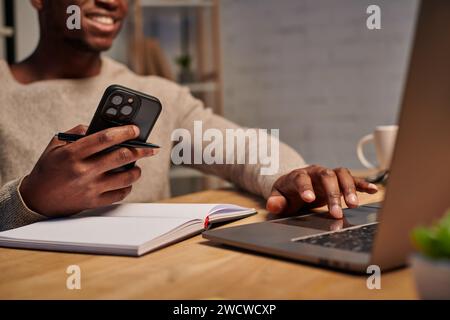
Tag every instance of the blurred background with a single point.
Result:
(308, 67)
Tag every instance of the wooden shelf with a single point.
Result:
(184, 173)
(207, 46)
(209, 86)
(177, 3)
(207, 55)
(6, 31)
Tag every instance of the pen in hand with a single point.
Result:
(70, 137)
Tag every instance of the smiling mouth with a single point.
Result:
(102, 22)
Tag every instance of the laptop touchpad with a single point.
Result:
(323, 222)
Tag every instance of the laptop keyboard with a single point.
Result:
(357, 240)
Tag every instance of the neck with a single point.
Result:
(50, 61)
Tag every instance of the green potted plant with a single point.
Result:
(431, 266)
(184, 63)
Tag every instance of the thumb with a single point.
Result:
(276, 203)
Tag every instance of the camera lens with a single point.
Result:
(126, 110)
(111, 111)
(116, 100)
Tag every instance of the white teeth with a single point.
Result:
(103, 20)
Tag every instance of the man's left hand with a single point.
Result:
(315, 186)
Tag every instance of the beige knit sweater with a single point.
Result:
(31, 114)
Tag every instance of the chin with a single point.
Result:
(100, 44)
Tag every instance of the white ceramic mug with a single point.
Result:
(384, 140)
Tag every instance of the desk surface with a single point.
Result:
(192, 269)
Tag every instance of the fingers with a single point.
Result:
(104, 139)
(364, 186)
(347, 186)
(330, 185)
(120, 157)
(315, 186)
(276, 203)
(110, 197)
(304, 186)
(120, 180)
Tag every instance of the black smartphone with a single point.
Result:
(123, 106)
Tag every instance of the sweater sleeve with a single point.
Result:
(248, 176)
(13, 211)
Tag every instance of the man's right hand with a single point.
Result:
(71, 177)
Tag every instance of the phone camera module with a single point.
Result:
(116, 100)
(111, 111)
(126, 110)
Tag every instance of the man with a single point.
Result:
(60, 84)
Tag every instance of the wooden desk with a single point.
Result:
(192, 269)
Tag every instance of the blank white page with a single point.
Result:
(154, 210)
(111, 231)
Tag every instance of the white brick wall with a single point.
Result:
(312, 69)
(308, 67)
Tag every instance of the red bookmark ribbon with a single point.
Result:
(206, 225)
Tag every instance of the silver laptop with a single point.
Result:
(418, 191)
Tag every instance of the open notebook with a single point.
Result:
(124, 229)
